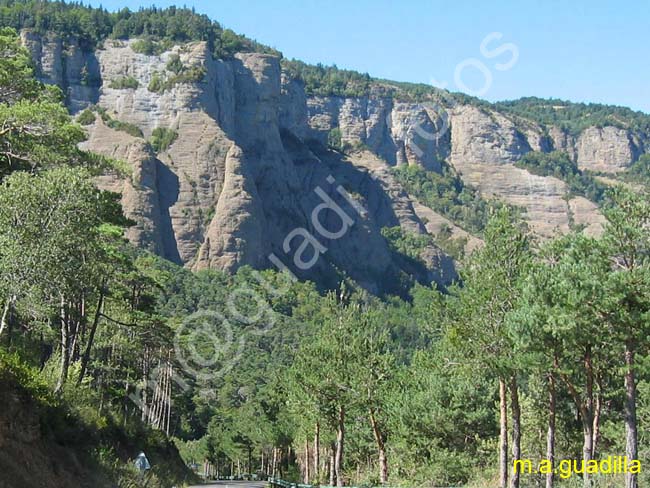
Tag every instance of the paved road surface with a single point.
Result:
(233, 484)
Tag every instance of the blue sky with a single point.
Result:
(578, 50)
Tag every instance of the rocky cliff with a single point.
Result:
(250, 165)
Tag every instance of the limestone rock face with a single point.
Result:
(607, 149)
(293, 107)
(400, 133)
(249, 180)
(67, 65)
(484, 147)
(240, 183)
(140, 189)
(237, 236)
(563, 141)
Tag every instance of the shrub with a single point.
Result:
(175, 65)
(151, 47)
(86, 117)
(406, 243)
(127, 127)
(334, 139)
(195, 74)
(162, 138)
(156, 84)
(143, 46)
(159, 84)
(15, 371)
(639, 170)
(124, 82)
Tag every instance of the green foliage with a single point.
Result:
(156, 84)
(41, 259)
(192, 74)
(405, 243)
(37, 131)
(175, 65)
(15, 371)
(575, 117)
(334, 139)
(124, 82)
(150, 47)
(86, 117)
(326, 81)
(491, 281)
(158, 28)
(16, 73)
(453, 246)
(638, 171)
(127, 127)
(441, 418)
(447, 194)
(323, 80)
(162, 138)
(560, 165)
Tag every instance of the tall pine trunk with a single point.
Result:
(503, 434)
(381, 449)
(598, 409)
(307, 461)
(631, 436)
(91, 337)
(550, 436)
(340, 441)
(585, 406)
(332, 469)
(5, 314)
(65, 348)
(274, 464)
(588, 417)
(317, 452)
(516, 429)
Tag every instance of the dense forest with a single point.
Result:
(93, 25)
(540, 351)
(574, 117)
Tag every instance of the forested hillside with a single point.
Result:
(538, 349)
(92, 25)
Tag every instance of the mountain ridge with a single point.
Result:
(250, 139)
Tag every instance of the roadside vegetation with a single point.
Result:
(540, 351)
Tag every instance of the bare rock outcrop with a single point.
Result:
(400, 133)
(485, 146)
(236, 235)
(249, 162)
(607, 149)
(139, 189)
(67, 65)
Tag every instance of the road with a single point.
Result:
(233, 484)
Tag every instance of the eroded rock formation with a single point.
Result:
(249, 164)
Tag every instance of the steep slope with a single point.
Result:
(249, 163)
(238, 179)
(44, 443)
